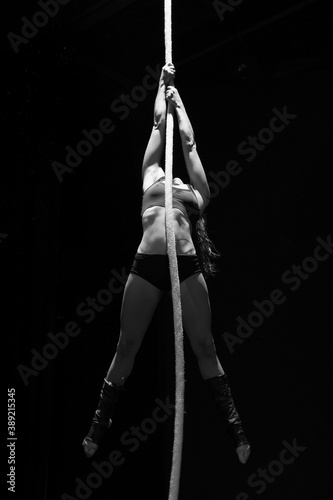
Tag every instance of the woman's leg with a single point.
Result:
(140, 300)
(197, 324)
(139, 303)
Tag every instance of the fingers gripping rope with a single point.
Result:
(175, 285)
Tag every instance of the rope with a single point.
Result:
(175, 285)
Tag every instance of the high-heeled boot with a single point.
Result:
(102, 418)
(221, 392)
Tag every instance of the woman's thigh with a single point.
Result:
(196, 309)
(140, 300)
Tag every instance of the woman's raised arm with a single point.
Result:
(193, 163)
(151, 166)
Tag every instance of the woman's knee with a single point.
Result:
(127, 348)
(204, 348)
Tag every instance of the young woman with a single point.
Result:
(149, 277)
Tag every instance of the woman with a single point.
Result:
(149, 277)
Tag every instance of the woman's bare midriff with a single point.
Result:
(154, 237)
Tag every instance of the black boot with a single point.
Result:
(102, 417)
(224, 402)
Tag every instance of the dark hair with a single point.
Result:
(206, 250)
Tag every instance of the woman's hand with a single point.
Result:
(168, 73)
(172, 96)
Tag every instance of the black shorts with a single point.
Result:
(154, 268)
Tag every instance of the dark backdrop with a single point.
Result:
(66, 233)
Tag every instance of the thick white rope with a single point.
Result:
(175, 285)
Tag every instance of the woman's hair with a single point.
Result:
(206, 251)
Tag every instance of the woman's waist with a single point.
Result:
(157, 244)
(154, 232)
(159, 234)
(158, 212)
(154, 220)
(155, 205)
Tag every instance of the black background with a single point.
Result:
(62, 240)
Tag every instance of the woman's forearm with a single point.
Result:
(160, 103)
(160, 106)
(184, 124)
